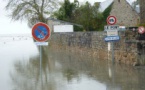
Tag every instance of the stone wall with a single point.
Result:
(124, 13)
(93, 44)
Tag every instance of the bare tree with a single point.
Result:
(31, 10)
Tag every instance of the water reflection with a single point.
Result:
(63, 70)
(11, 50)
(27, 74)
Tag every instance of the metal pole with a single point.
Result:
(112, 52)
(143, 54)
(113, 76)
(40, 48)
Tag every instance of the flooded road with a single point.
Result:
(13, 50)
(61, 70)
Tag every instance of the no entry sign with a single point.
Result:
(111, 20)
(141, 30)
(40, 32)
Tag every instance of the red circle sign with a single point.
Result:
(111, 20)
(40, 32)
(141, 30)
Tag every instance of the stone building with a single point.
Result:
(125, 14)
(142, 11)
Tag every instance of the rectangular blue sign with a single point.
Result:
(112, 38)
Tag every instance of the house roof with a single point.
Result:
(57, 20)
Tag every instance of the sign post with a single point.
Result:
(41, 33)
(112, 33)
(40, 50)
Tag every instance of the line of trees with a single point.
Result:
(35, 11)
(86, 14)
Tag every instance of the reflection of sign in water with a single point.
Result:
(40, 32)
(111, 20)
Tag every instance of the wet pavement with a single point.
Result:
(62, 70)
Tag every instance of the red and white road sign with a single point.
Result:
(111, 20)
(141, 30)
(40, 32)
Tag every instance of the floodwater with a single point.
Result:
(61, 69)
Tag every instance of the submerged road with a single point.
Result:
(61, 70)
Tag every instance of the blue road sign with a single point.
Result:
(112, 38)
(40, 32)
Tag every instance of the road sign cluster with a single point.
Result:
(112, 29)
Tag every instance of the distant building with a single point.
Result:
(126, 15)
(52, 21)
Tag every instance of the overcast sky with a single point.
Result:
(7, 26)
